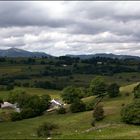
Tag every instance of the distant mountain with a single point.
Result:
(106, 56)
(15, 52)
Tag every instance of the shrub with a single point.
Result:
(77, 106)
(45, 130)
(98, 113)
(61, 110)
(131, 113)
(15, 116)
(27, 113)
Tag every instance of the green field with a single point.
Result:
(34, 91)
(77, 125)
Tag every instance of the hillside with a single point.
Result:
(49, 76)
(77, 125)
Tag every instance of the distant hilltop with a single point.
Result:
(105, 55)
(15, 52)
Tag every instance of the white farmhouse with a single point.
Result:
(7, 105)
(55, 104)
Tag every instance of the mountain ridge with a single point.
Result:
(105, 55)
(15, 52)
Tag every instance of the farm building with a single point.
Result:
(55, 104)
(7, 105)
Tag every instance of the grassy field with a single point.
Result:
(40, 91)
(34, 91)
(77, 125)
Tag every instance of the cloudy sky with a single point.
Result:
(71, 27)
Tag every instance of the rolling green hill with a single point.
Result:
(77, 125)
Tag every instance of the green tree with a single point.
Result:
(98, 86)
(30, 105)
(98, 113)
(77, 106)
(131, 113)
(45, 101)
(70, 94)
(19, 96)
(113, 90)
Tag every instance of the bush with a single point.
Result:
(27, 113)
(61, 110)
(77, 106)
(98, 113)
(45, 130)
(131, 113)
(15, 116)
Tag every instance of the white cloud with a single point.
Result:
(72, 27)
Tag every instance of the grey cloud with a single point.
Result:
(27, 14)
(74, 27)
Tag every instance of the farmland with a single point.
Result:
(49, 76)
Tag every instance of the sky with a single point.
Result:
(71, 27)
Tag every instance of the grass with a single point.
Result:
(4, 94)
(74, 126)
(128, 88)
(40, 91)
(34, 91)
